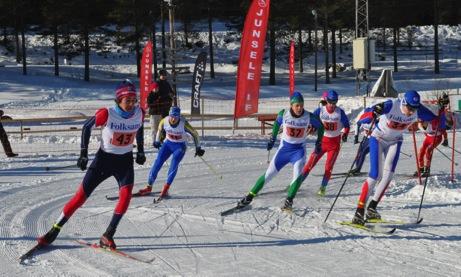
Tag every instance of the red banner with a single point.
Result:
(146, 74)
(251, 56)
(292, 68)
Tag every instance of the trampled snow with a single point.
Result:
(185, 233)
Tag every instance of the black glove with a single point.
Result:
(157, 144)
(445, 142)
(318, 147)
(83, 159)
(378, 109)
(199, 151)
(356, 139)
(344, 137)
(270, 144)
(140, 158)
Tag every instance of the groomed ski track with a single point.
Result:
(187, 236)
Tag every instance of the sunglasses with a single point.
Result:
(332, 102)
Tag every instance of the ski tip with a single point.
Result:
(419, 220)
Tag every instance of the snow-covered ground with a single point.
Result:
(185, 234)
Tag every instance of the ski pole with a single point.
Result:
(417, 160)
(48, 168)
(454, 149)
(211, 168)
(427, 176)
(445, 155)
(268, 156)
(348, 174)
(405, 154)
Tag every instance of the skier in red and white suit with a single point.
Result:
(336, 125)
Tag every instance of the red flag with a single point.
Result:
(251, 55)
(146, 74)
(292, 68)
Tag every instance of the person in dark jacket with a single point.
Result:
(155, 111)
(165, 92)
(4, 138)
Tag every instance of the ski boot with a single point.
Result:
(245, 201)
(11, 155)
(354, 172)
(372, 214)
(421, 172)
(164, 192)
(49, 237)
(426, 172)
(322, 191)
(288, 205)
(145, 191)
(358, 217)
(107, 239)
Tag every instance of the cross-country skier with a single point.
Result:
(395, 116)
(364, 147)
(433, 138)
(171, 140)
(296, 123)
(336, 125)
(120, 125)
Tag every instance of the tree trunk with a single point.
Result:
(87, 53)
(24, 56)
(210, 42)
(18, 49)
(340, 40)
(272, 55)
(309, 39)
(326, 51)
(162, 19)
(384, 39)
(137, 49)
(333, 51)
(410, 37)
(394, 47)
(154, 50)
(186, 32)
(300, 49)
(436, 37)
(56, 50)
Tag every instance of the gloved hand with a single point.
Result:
(356, 139)
(140, 158)
(378, 110)
(83, 159)
(199, 151)
(344, 137)
(318, 147)
(445, 142)
(157, 144)
(270, 144)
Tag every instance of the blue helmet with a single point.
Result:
(411, 98)
(175, 111)
(297, 97)
(332, 96)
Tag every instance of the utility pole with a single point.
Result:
(172, 50)
(314, 13)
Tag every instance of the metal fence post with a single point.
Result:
(203, 120)
(22, 134)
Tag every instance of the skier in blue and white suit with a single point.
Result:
(395, 116)
(296, 124)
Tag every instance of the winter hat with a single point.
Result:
(332, 96)
(153, 85)
(175, 111)
(411, 98)
(324, 95)
(297, 97)
(124, 89)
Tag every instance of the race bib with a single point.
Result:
(397, 125)
(295, 132)
(330, 126)
(174, 137)
(122, 139)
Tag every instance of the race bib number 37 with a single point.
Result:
(122, 139)
(295, 132)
